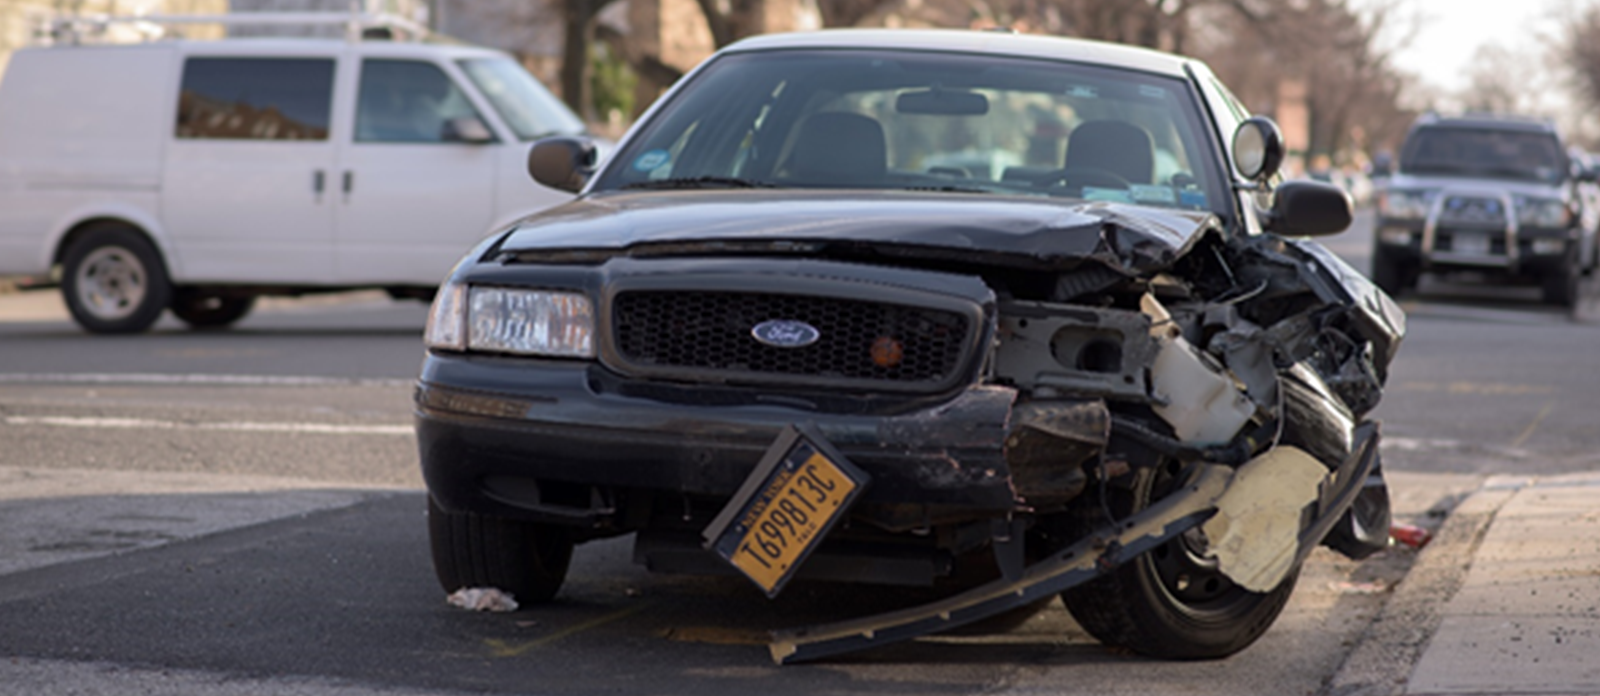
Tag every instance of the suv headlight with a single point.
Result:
(507, 320)
(1543, 212)
(1404, 204)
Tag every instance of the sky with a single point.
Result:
(1449, 32)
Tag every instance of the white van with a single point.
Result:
(198, 175)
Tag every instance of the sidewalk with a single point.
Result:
(1506, 600)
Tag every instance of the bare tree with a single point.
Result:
(578, 25)
(1580, 50)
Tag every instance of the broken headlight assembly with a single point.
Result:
(508, 320)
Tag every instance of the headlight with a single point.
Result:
(446, 320)
(1404, 204)
(1543, 212)
(504, 320)
(530, 322)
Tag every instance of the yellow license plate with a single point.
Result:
(791, 500)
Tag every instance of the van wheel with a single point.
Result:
(114, 281)
(525, 559)
(1172, 602)
(203, 311)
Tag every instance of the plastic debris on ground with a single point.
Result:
(1408, 535)
(482, 599)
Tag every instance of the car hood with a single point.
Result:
(996, 230)
(1515, 187)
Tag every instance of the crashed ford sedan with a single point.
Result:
(896, 306)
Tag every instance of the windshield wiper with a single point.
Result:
(694, 182)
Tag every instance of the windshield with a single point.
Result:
(927, 121)
(530, 109)
(1507, 154)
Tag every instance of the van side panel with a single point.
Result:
(79, 129)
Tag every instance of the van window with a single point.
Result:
(407, 101)
(255, 98)
(525, 104)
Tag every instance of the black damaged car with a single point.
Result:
(904, 306)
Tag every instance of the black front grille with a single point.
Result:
(709, 334)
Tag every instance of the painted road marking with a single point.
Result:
(234, 426)
(500, 648)
(200, 379)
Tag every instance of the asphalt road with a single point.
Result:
(240, 512)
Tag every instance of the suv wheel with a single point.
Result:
(1390, 274)
(527, 560)
(1561, 288)
(114, 281)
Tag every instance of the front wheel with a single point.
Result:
(114, 281)
(1561, 287)
(1172, 602)
(1390, 274)
(525, 559)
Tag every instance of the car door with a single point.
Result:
(245, 183)
(413, 195)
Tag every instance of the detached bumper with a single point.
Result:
(554, 441)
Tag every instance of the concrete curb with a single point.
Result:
(1382, 660)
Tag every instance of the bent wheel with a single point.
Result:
(525, 559)
(1172, 602)
(114, 281)
(204, 311)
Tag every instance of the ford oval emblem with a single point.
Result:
(785, 333)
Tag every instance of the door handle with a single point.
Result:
(318, 181)
(349, 181)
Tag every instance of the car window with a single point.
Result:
(255, 98)
(525, 105)
(863, 119)
(407, 101)
(1484, 152)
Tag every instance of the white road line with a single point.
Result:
(199, 379)
(238, 426)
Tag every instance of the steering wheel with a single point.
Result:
(1080, 176)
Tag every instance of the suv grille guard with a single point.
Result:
(1095, 555)
(1430, 229)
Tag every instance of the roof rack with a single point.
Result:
(90, 28)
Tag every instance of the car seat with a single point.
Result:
(837, 146)
(1112, 146)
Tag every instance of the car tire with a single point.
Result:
(208, 311)
(1390, 274)
(1561, 288)
(527, 560)
(114, 281)
(1169, 603)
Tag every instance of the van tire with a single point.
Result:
(114, 281)
(206, 311)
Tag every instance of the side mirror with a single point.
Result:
(1308, 209)
(465, 129)
(1257, 148)
(563, 162)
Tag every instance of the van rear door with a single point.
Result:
(248, 192)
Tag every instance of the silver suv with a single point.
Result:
(1496, 197)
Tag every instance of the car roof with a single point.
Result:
(1488, 121)
(972, 41)
(290, 46)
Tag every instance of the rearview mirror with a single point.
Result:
(1308, 209)
(942, 102)
(1257, 148)
(563, 162)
